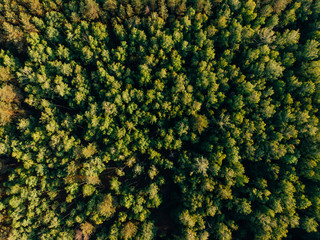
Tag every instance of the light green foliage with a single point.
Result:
(107, 206)
(159, 119)
(89, 151)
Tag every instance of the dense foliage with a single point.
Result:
(155, 119)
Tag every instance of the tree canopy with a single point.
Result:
(159, 119)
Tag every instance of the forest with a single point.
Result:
(159, 119)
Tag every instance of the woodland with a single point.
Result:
(159, 119)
